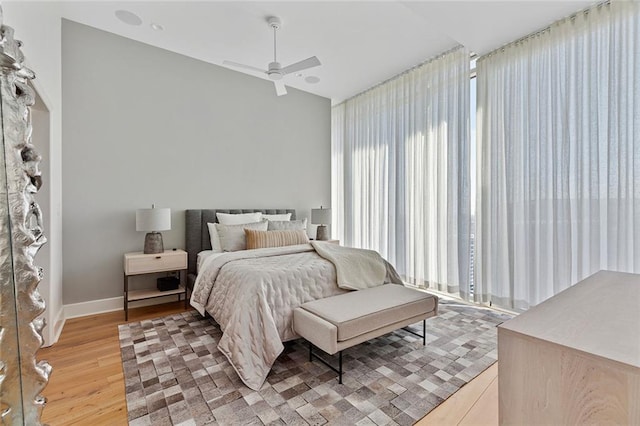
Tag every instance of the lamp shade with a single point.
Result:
(150, 220)
(321, 216)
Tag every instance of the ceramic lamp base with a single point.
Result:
(322, 233)
(153, 243)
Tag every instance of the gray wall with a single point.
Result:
(143, 125)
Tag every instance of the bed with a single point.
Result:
(251, 294)
(197, 234)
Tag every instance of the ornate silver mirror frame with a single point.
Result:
(22, 378)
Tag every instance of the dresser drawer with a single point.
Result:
(146, 263)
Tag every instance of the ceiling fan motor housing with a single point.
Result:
(275, 72)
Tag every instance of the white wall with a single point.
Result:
(38, 26)
(144, 125)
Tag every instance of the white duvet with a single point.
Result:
(251, 294)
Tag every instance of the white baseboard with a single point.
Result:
(101, 306)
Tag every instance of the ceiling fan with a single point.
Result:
(274, 70)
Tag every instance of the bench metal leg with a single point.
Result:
(337, 370)
(424, 332)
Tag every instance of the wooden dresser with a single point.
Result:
(575, 358)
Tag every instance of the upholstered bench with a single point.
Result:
(339, 322)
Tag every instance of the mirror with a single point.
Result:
(22, 377)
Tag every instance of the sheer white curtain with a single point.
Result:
(559, 157)
(400, 167)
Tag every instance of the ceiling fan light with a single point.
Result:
(274, 76)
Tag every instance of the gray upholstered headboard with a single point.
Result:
(197, 231)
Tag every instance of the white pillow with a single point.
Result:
(215, 239)
(238, 219)
(281, 225)
(285, 216)
(232, 237)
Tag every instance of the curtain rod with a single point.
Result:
(571, 17)
(375, 86)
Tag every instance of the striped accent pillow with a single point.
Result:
(265, 239)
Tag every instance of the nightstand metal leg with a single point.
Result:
(186, 289)
(126, 297)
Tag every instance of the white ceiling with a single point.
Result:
(360, 43)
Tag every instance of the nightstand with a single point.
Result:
(327, 241)
(139, 263)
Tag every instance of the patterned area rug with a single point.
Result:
(175, 375)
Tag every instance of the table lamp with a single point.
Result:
(322, 218)
(153, 220)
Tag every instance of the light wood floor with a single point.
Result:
(87, 387)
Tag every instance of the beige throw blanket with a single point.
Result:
(357, 269)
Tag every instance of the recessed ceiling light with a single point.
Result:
(312, 79)
(157, 27)
(128, 17)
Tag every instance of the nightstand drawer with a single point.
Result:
(140, 263)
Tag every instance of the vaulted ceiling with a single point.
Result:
(360, 43)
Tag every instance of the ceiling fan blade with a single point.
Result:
(280, 88)
(247, 67)
(302, 65)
